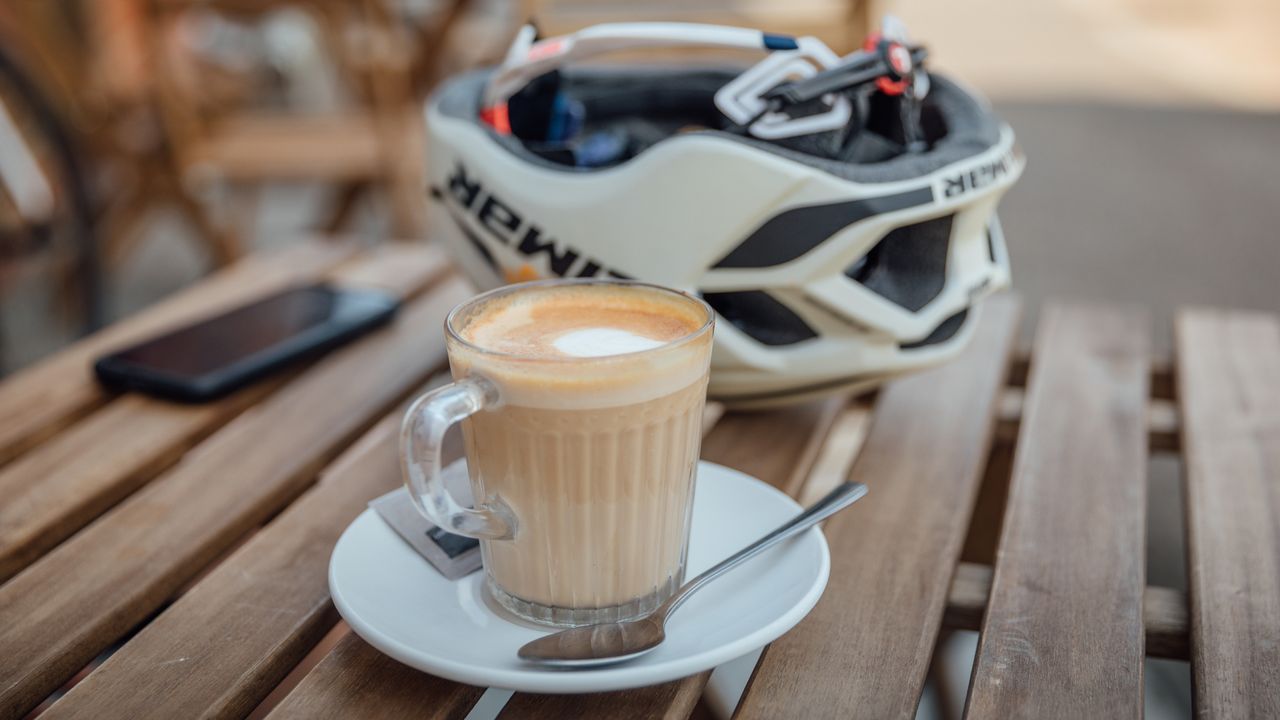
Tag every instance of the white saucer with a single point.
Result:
(400, 605)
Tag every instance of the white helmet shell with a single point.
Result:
(827, 276)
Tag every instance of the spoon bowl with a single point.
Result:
(595, 645)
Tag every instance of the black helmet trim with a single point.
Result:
(795, 231)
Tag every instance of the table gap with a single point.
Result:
(93, 664)
(81, 674)
(1166, 688)
(1019, 369)
(1166, 532)
(949, 674)
(215, 562)
(987, 519)
(52, 430)
(313, 657)
(1164, 385)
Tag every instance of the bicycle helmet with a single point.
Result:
(837, 213)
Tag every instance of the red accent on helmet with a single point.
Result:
(497, 118)
(899, 59)
(887, 85)
(546, 49)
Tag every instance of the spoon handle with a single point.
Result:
(835, 501)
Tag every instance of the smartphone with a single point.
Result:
(218, 355)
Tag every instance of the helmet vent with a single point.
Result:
(760, 316)
(946, 330)
(909, 265)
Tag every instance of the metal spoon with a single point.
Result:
(617, 642)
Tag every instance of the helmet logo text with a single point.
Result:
(978, 177)
(504, 224)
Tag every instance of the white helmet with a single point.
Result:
(838, 213)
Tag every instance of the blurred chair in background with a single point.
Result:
(841, 24)
(46, 210)
(228, 128)
(88, 61)
(113, 109)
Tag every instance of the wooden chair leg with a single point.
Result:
(120, 223)
(344, 205)
(405, 184)
(432, 46)
(244, 204)
(224, 243)
(406, 208)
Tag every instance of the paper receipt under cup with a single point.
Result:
(453, 555)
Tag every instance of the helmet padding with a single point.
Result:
(654, 103)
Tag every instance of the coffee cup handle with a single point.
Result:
(421, 436)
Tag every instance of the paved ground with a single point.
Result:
(1201, 53)
(1150, 205)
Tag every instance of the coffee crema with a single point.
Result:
(597, 321)
(582, 346)
(593, 447)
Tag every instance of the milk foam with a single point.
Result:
(603, 341)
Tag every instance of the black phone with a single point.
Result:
(215, 356)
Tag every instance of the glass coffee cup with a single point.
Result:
(581, 406)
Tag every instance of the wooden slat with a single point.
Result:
(223, 645)
(66, 482)
(1063, 634)
(864, 650)
(1163, 382)
(60, 612)
(38, 401)
(1229, 385)
(356, 681)
(1164, 610)
(61, 485)
(271, 596)
(1162, 420)
(1162, 376)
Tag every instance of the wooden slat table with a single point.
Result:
(170, 561)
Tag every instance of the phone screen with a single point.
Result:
(245, 342)
(222, 341)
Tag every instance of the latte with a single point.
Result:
(593, 446)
